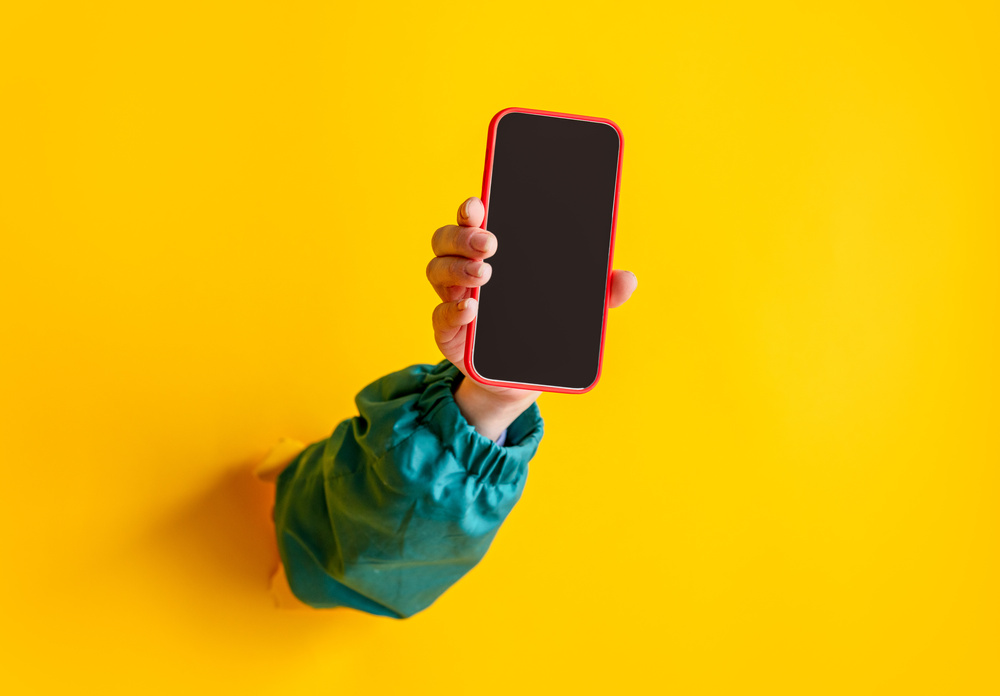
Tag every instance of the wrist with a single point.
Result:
(487, 412)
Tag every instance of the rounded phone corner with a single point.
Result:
(617, 129)
(597, 378)
(495, 121)
(470, 368)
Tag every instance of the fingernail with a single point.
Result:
(463, 304)
(465, 208)
(475, 269)
(480, 241)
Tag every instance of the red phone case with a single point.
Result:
(470, 336)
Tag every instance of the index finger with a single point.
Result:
(471, 213)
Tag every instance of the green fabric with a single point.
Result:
(400, 501)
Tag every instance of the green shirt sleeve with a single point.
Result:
(400, 501)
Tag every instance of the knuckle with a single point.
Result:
(437, 239)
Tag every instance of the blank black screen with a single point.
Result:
(550, 204)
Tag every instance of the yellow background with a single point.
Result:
(215, 221)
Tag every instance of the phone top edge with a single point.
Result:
(495, 121)
(557, 114)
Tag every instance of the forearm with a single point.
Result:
(401, 500)
(485, 412)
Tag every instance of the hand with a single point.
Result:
(459, 264)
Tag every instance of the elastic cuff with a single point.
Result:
(440, 413)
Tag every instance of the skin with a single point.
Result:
(458, 266)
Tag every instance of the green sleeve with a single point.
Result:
(400, 501)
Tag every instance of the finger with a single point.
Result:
(451, 293)
(471, 213)
(449, 317)
(471, 242)
(447, 271)
(623, 284)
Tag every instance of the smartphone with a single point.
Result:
(550, 187)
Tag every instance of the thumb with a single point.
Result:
(471, 213)
(623, 284)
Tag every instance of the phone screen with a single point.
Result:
(550, 201)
